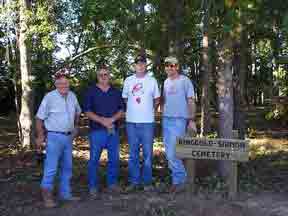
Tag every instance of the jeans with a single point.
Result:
(140, 133)
(100, 139)
(58, 152)
(173, 128)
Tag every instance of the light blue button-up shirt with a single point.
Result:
(58, 112)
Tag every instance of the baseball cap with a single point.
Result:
(140, 58)
(171, 60)
(63, 72)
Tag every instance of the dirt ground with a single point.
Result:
(262, 183)
(17, 199)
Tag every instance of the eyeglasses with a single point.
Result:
(103, 75)
(169, 65)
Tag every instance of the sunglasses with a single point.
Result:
(169, 65)
(103, 75)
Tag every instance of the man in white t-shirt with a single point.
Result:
(142, 96)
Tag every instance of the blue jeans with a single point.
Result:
(100, 139)
(58, 152)
(172, 128)
(140, 133)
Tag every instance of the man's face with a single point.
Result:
(140, 67)
(171, 69)
(62, 85)
(103, 76)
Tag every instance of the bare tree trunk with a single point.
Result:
(236, 85)
(225, 90)
(240, 77)
(225, 95)
(163, 46)
(206, 72)
(141, 27)
(178, 27)
(25, 67)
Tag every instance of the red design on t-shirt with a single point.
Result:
(137, 89)
(138, 100)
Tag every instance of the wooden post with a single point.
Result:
(233, 180)
(233, 174)
(190, 168)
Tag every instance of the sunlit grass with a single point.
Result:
(266, 146)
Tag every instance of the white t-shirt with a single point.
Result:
(140, 94)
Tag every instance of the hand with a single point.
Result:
(107, 122)
(192, 126)
(75, 132)
(40, 142)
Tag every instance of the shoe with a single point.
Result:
(162, 188)
(114, 189)
(132, 188)
(94, 194)
(71, 199)
(48, 199)
(177, 188)
(149, 188)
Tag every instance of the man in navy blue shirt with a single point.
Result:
(103, 106)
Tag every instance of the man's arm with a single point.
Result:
(192, 114)
(106, 122)
(156, 103)
(40, 133)
(117, 116)
(93, 117)
(76, 125)
(192, 108)
(77, 120)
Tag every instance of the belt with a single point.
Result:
(60, 132)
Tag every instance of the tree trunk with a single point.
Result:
(240, 77)
(225, 95)
(25, 68)
(225, 90)
(178, 27)
(141, 29)
(206, 72)
(276, 44)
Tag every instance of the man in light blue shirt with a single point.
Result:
(56, 121)
(178, 114)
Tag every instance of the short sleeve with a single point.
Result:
(125, 91)
(156, 93)
(189, 88)
(121, 103)
(88, 99)
(42, 112)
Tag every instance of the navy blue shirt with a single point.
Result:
(102, 103)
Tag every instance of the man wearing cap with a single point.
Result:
(57, 121)
(103, 106)
(142, 95)
(178, 114)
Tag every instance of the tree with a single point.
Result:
(206, 73)
(26, 82)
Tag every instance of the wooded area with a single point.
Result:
(234, 51)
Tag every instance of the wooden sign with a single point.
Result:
(212, 149)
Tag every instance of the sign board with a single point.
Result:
(212, 149)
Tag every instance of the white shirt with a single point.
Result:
(140, 94)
